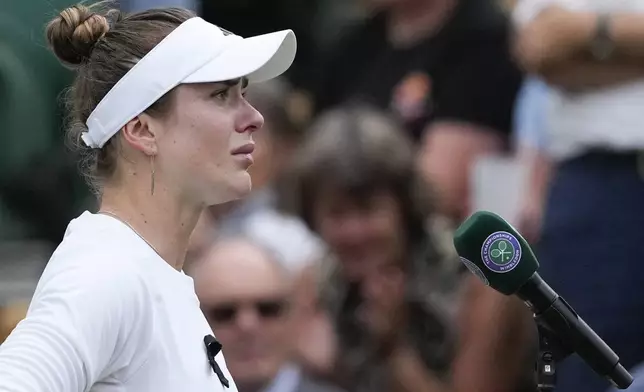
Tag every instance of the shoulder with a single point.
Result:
(97, 242)
(94, 286)
(94, 263)
(92, 312)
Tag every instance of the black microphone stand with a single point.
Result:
(551, 351)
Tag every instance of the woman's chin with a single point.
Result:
(242, 185)
(238, 187)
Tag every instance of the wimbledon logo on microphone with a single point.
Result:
(501, 252)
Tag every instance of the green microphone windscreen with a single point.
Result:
(493, 251)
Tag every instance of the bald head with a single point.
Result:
(236, 266)
(245, 294)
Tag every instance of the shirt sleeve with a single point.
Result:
(83, 325)
(481, 87)
(530, 115)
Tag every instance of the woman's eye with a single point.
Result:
(222, 94)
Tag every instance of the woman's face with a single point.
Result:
(361, 233)
(205, 148)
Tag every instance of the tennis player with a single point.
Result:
(158, 104)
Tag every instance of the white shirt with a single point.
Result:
(110, 315)
(609, 117)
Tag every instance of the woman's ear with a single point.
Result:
(141, 133)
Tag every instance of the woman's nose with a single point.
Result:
(251, 119)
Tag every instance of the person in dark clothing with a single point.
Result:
(459, 70)
(443, 68)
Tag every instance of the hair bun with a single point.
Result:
(74, 32)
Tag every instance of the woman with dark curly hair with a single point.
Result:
(391, 289)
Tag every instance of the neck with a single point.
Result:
(163, 220)
(412, 21)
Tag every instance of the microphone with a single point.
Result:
(498, 255)
(213, 347)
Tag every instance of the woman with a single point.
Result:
(158, 103)
(393, 293)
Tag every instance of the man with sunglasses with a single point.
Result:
(246, 295)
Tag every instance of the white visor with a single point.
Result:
(195, 52)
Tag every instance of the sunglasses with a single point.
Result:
(226, 313)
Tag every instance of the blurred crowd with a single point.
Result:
(398, 120)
